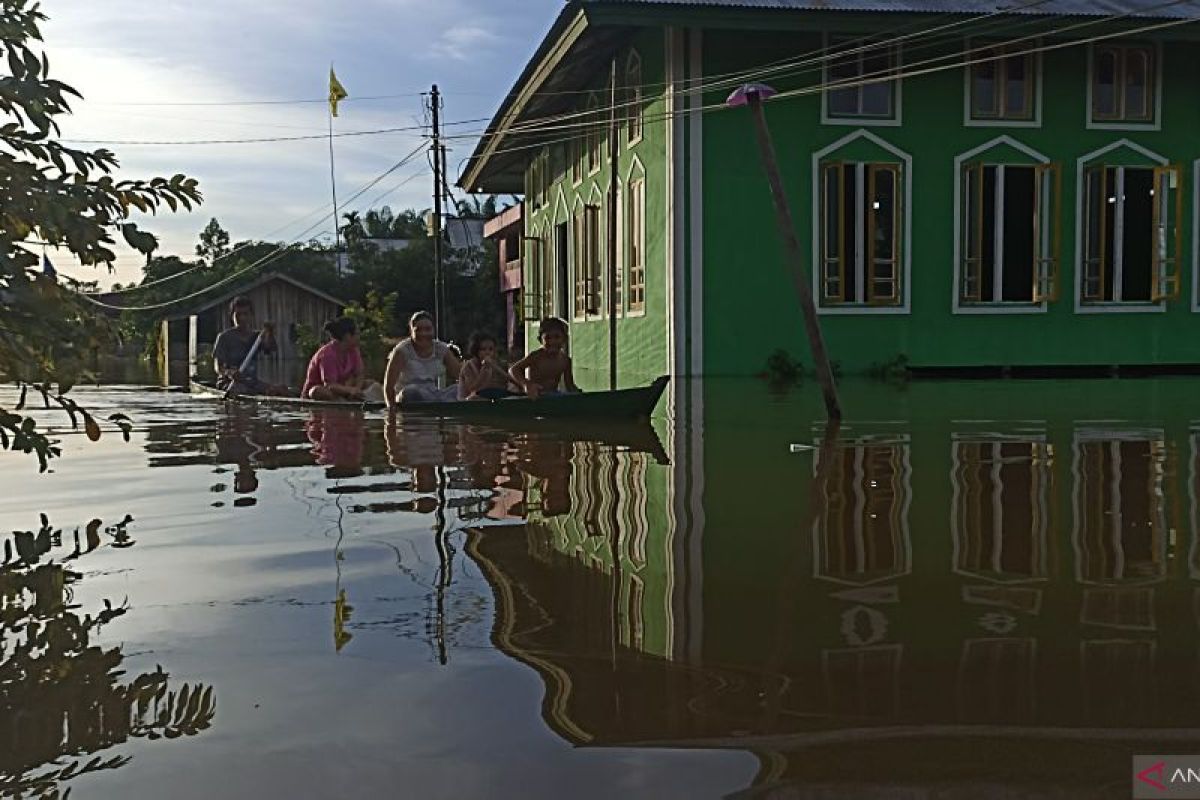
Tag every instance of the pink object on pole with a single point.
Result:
(741, 95)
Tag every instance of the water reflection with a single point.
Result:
(999, 604)
(65, 702)
(968, 582)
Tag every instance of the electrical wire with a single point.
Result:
(208, 103)
(906, 71)
(273, 255)
(264, 139)
(817, 62)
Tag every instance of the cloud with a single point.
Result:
(464, 42)
(159, 72)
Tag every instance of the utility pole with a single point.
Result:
(752, 95)
(435, 103)
(451, 211)
(614, 156)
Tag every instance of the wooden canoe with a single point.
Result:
(636, 403)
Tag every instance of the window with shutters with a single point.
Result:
(1132, 229)
(633, 98)
(1010, 226)
(635, 230)
(862, 216)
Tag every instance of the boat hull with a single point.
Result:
(637, 403)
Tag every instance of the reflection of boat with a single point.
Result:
(636, 403)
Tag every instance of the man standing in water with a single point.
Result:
(234, 344)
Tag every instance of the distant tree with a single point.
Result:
(353, 230)
(474, 208)
(214, 242)
(66, 197)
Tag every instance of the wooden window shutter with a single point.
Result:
(1047, 231)
(1168, 232)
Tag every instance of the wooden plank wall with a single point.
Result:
(288, 307)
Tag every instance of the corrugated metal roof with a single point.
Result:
(1162, 9)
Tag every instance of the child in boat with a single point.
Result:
(482, 377)
(548, 367)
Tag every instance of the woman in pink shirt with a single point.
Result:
(335, 372)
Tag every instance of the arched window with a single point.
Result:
(593, 134)
(633, 98)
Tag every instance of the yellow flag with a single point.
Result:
(336, 92)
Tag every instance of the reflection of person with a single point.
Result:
(482, 377)
(337, 439)
(417, 367)
(546, 368)
(234, 344)
(549, 462)
(419, 447)
(335, 372)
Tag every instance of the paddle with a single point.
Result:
(246, 362)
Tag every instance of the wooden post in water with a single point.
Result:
(752, 95)
(614, 154)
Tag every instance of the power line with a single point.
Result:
(883, 76)
(816, 61)
(262, 140)
(273, 255)
(209, 103)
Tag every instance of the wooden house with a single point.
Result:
(187, 336)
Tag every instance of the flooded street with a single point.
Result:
(970, 590)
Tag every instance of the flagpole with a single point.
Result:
(337, 234)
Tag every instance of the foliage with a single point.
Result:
(64, 197)
(63, 699)
(214, 242)
(376, 320)
(782, 368)
(894, 370)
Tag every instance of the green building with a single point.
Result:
(972, 187)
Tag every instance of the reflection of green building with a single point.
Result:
(1002, 590)
(971, 188)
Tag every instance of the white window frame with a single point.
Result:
(906, 240)
(1116, 125)
(957, 305)
(635, 177)
(593, 129)
(596, 200)
(1196, 238)
(637, 107)
(1035, 121)
(1081, 166)
(897, 117)
(576, 245)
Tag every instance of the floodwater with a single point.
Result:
(970, 590)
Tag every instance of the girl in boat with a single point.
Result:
(482, 377)
(421, 369)
(546, 369)
(335, 372)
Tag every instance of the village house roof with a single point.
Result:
(248, 286)
(586, 33)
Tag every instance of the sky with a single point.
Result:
(170, 70)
